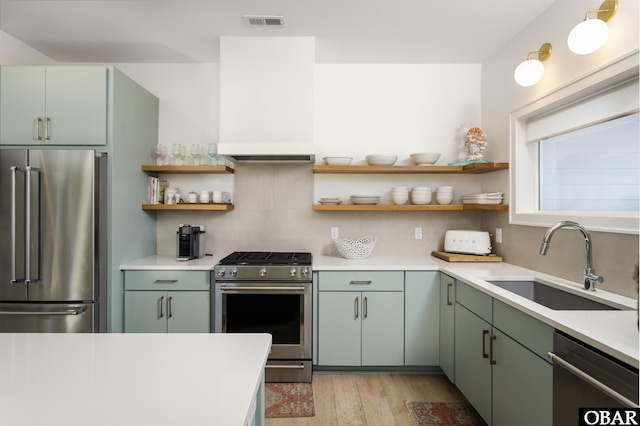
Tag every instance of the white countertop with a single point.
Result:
(613, 332)
(169, 263)
(130, 379)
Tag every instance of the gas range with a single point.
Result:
(264, 266)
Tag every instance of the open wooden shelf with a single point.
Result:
(188, 206)
(409, 207)
(475, 168)
(187, 169)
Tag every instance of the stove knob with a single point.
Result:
(263, 272)
(292, 272)
(221, 272)
(234, 273)
(305, 272)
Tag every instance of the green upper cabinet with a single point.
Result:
(57, 105)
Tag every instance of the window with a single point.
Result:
(575, 153)
(593, 169)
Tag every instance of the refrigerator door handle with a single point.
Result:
(61, 312)
(27, 227)
(14, 279)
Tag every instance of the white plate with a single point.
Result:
(481, 201)
(360, 202)
(330, 203)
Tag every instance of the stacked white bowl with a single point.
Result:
(421, 195)
(444, 194)
(400, 194)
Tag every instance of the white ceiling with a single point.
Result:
(346, 31)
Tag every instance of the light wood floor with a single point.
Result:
(370, 399)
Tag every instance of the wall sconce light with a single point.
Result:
(590, 34)
(530, 71)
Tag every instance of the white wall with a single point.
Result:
(615, 255)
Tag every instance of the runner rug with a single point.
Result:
(443, 413)
(289, 400)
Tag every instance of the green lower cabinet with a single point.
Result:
(447, 325)
(361, 329)
(499, 360)
(473, 370)
(167, 312)
(421, 326)
(522, 385)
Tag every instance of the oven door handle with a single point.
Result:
(273, 288)
(556, 360)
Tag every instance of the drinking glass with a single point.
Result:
(178, 152)
(157, 154)
(196, 153)
(213, 153)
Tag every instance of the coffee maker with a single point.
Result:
(190, 242)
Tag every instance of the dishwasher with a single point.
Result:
(584, 377)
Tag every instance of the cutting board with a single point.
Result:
(457, 257)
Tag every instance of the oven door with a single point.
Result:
(280, 309)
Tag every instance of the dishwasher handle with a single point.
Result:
(556, 360)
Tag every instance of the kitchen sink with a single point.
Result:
(551, 297)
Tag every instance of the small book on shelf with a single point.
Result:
(155, 190)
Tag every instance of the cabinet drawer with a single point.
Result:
(361, 281)
(167, 280)
(528, 331)
(474, 300)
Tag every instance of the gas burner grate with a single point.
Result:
(266, 258)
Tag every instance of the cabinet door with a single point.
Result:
(447, 325)
(21, 104)
(522, 385)
(382, 328)
(421, 324)
(472, 369)
(339, 328)
(76, 105)
(188, 312)
(145, 312)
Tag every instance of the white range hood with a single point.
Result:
(273, 152)
(266, 99)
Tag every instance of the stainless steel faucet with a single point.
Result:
(590, 278)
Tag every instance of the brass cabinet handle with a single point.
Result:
(38, 122)
(360, 282)
(365, 307)
(449, 285)
(47, 120)
(484, 349)
(165, 281)
(355, 304)
(160, 306)
(491, 339)
(169, 307)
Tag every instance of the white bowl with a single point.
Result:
(444, 200)
(337, 161)
(425, 158)
(421, 201)
(355, 249)
(400, 200)
(381, 159)
(445, 188)
(400, 188)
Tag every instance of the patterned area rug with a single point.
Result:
(289, 400)
(443, 413)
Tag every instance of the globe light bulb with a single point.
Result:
(529, 72)
(588, 36)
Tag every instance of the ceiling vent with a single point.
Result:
(264, 20)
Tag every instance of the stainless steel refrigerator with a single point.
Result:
(53, 245)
